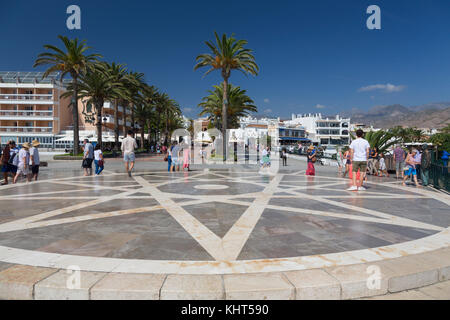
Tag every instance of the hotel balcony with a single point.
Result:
(26, 129)
(26, 115)
(110, 107)
(6, 98)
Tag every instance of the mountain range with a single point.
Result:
(431, 115)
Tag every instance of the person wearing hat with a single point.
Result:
(34, 157)
(24, 160)
(425, 165)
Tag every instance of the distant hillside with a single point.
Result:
(432, 115)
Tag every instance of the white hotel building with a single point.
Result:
(31, 108)
(328, 132)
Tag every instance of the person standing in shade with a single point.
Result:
(425, 165)
(359, 150)
(23, 164)
(99, 161)
(34, 157)
(129, 144)
(399, 158)
(88, 157)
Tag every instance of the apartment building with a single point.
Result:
(324, 131)
(31, 107)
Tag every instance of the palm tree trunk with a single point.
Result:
(99, 107)
(224, 117)
(124, 115)
(167, 128)
(116, 124)
(142, 134)
(149, 133)
(132, 116)
(76, 128)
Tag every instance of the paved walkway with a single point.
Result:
(215, 221)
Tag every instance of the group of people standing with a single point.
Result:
(376, 163)
(177, 156)
(413, 164)
(20, 162)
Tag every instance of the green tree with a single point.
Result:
(239, 105)
(226, 55)
(382, 140)
(71, 60)
(97, 86)
(118, 74)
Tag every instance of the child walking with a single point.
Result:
(382, 166)
(98, 160)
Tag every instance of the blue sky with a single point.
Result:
(314, 56)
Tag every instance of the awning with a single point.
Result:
(294, 139)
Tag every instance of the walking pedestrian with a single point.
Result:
(382, 166)
(418, 162)
(129, 144)
(35, 161)
(410, 168)
(284, 156)
(23, 168)
(169, 157)
(88, 157)
(359, 154)
(373, 161)
(6, 156)
(175, 157)
(98, 160)
(340, 160)
(311, 158)
(348, 161)
(186, 156)
(399, 159)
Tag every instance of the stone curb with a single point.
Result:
(21, 282)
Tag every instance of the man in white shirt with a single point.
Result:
(88, 157)
(23, 164)
(359, 152)
(34, 157)
(128, 146)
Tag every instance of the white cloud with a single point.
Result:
(320, 106)
(187, 110)
(384, 87)
(267, 111)
(266, 100)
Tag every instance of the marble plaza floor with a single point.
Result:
(213, 220)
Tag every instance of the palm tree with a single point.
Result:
(97, 86)
(72, 61)
(118, 73)
(239, 105)
(381, 139)
(134, 85)
(227, 54)
(170, 109)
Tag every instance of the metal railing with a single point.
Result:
(26, 113)
(439, 175)
(26, 129)
(26, 96)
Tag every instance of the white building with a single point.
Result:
(328, 132)
(31, 107)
